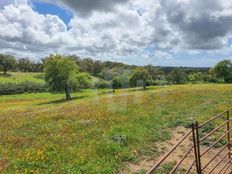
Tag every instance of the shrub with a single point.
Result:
(83, 81)
(17, 88)
(120, 82)
(103, 84)
(139, 77)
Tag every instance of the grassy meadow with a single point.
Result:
(18, 77)
(98, 131)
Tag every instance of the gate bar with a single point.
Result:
(174, 148)
(216, 165)
(210, 133)
(182, 159)
(227, 168)
(213, 118)
(215, 155)
(224, 167)
(216, 142)
(190, 167)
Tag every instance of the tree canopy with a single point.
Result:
(224, 70)
(61, 73)
(177, 76)
(139, 77)
(7, 62)
(24, 64)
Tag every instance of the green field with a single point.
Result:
(98, 131)
(17, 77)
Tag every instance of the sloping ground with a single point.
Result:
(146, 163)
(18, 77)
(99, 131)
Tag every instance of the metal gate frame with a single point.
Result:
(196, 148)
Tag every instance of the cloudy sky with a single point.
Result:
(158, 32)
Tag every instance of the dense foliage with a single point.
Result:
(224, 70)
(17, 88)
(107, 74)
(61, 73)
(139, 78)
(7, 62)
(177, 76)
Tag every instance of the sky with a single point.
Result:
(196, 33)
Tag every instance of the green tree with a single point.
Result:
(195, 77)
(121, 80)
(7, 62)
(224, 70)
(177, 76)
(106, 74)
(24, 64)
(61, 73)
(83, 80)
(139, 77)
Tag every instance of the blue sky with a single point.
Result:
(164, 33)
(53, 9)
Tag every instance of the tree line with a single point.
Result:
(75, 72)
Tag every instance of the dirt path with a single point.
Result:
(145, 164)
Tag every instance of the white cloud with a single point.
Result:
(118, 29)
(20, 24)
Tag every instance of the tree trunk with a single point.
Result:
(67, 91)
(144, 85)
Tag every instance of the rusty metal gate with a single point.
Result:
(220, 162)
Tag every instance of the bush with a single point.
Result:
(120, 82)
(83, 81)
(139, 78)
(17, 88)
(103, 84)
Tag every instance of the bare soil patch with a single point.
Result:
(3, 164)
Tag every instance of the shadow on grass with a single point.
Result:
(61, 101)
(106, 92)
(138, 89)
(5, 75)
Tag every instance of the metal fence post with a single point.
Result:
(195, 147)
(198, 147)
(228, 136)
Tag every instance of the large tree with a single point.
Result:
(61, 73)
(195, 77)
(224, 70)
(7, 62)
(177, 76)
(139, 77)
(24, 64)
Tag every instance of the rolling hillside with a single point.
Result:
(98, 131)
